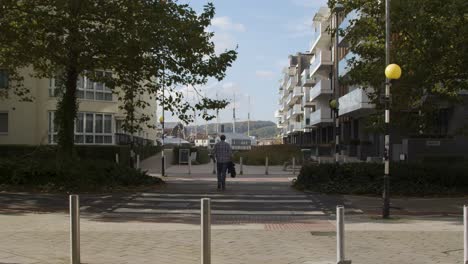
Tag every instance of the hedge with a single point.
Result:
(277, 155)
(367, 178)
(92, 152)
(75, 175)
(203, 154)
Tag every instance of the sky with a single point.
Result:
(266, 32)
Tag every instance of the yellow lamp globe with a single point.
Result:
(393, 72)
(161, 120)
(333, 104)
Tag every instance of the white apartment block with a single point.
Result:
(306, 119)
(99, 120)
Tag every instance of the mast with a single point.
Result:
(234, 115)
(248, 119)
(217, 116)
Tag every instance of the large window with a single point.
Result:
(90, 128)
(3, 123)
(86, 88)
(4, 78)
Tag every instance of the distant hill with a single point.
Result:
(260, 129)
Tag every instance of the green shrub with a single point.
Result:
(72, 175)
(367, 178)
(277, 155)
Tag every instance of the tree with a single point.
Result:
(429, 43)
(144, 43)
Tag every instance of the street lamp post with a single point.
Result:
(337, 9)
(392, 72)
(162, 121)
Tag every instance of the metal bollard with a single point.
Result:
(266, 165)
(117, 158)
(294, 165)
(340, 239)
(138, 161)
(74, 229)
(189, 166)
(205, 231)
(465, 234)
(241, 170)
(214, 167)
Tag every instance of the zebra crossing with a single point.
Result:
(222, 204)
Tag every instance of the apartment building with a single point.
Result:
(306, 119)
(99, 120)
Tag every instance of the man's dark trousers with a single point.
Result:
(222, 169)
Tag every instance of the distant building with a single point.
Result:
(238, 141)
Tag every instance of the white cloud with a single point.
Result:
(300, 28)
(223, 41)
(264, 74)
(225, 23)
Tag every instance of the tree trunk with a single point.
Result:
(66, 113)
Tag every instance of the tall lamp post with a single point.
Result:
(392, 72)
(337, 9)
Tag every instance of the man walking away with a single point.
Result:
(222, 152)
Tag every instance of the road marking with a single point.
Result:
(222, 195)
(222, 200)
(216, 212)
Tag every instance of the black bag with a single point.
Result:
(232, 169)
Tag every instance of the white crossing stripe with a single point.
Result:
(216, 212)
(222, 200)
(223, 195)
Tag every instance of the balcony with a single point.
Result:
(297, 92)
(355, 103)
(343, 66)
(297, 110)
(278, 114)
(321, 88)
(291, 83)
(345, 24)
(320, 116)
(306, 80)
(290, 100)
(320, 59)
(298, 127)
(316, 36)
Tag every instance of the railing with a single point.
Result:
(353, 15)
(320, 116)
(322, 87)
(353, 101)
(343, 67)
(316, 36)
(297, 109)
(320, 57)
(297, 92)
(125, 139)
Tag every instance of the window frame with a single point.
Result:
(5, 71)
(86, 89)
(8, 123)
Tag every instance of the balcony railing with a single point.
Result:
(306, 80)
(297, 110)
(322, 87)
(353, 15)
(356, 101)
(298, 126)
(297, 92)
(343, 67)
(316, 36)
(321, 57)
(322, 115)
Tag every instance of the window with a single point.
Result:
(86, 88)
(90, 128)
(4, 79)
(3, 123)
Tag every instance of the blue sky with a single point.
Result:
(266, 32)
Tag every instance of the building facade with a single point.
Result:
(99, 119)
(308, 85)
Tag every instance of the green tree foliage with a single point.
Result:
(429, 43)
(148, 45)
